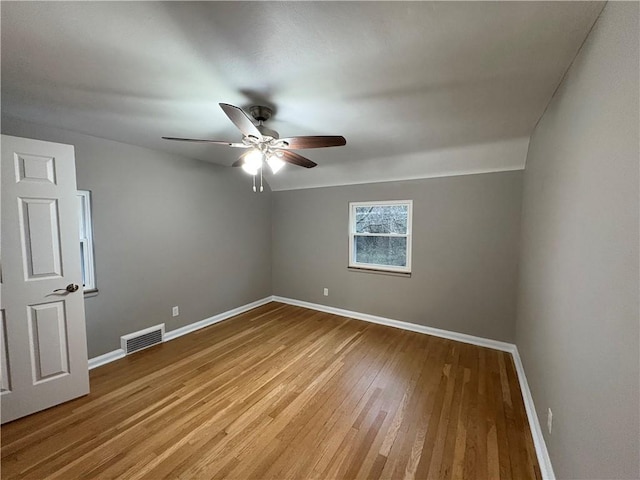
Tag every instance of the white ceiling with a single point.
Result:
(411, 85)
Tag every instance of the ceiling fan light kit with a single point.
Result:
(265, 145)
(275, 162)
(252, 162)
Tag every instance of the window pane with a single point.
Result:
(83, 262)
(381, 219)
(83, 216)
(86, 240)
(381, 250)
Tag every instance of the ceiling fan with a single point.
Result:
(264, 144)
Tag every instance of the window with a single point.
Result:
(86, 240)
(380, 235)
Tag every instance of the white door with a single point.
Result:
(44, 344)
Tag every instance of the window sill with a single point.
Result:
(379, 272)
(90, 293)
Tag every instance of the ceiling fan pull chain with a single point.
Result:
(261, 188)
(254, 183)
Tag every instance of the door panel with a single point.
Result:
(39, 228)
(5, 385)
(48, 341)
(45, 357)
(33, 168)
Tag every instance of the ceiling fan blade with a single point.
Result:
(241, 120)
(216, 142)
(314, 142)
(240, 161)
(296, 159)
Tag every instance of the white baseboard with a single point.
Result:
(178, 332)
(192, 327)
(536, 432)
(436, 332)
(105, 358)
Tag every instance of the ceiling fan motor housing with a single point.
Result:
(261, 114)
(267, 132)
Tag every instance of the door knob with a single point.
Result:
(69, 288)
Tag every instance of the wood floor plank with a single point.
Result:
(472, 419)
(284, 392)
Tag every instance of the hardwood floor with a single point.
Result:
(283, 392)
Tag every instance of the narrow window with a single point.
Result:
(86, 240)
(380, 235)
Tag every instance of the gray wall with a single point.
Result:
(578, 319)
(168, 231)
(464, 260)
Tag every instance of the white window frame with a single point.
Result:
(86, 239)
(353, 234)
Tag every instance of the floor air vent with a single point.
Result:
(144, 338)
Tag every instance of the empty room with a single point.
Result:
(320, 240)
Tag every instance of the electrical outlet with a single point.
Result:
(326, 292)
(175, 311)
(549, 420)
